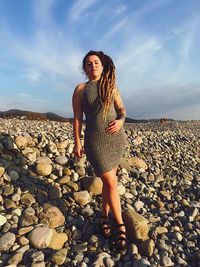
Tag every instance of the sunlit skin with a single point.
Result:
(93, 68)
(110, 196)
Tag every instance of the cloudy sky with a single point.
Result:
(155, 45)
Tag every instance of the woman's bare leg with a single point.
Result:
(110, 195)
(105, 200)
(111, 200)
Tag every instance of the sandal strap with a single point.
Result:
(121, 233)
(121, 224)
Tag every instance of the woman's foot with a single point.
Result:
(121, 240)
(105, 227)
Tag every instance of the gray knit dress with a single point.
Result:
(104, 151)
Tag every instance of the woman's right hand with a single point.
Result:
(78, 150)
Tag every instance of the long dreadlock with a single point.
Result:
(107, 83)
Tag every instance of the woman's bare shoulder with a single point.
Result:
(80, 87)
(78, 92)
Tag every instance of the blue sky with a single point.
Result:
(155, 45)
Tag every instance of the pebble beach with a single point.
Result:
(50, 201)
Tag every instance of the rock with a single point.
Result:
(23, 241)
(44, 160)
(92, 184)
(52, 216)
(141, 263)
(64, 180)
(58, 240)
(148, 247)
(167, 193)
(9, 204)
(82, 197)
(37, 256)
(42, 196)
(13, 175)
(133, 249)
(62, 160)
(161, 230)
(80, 247)
(28, 217)
(41, 237)
(100, 260)
(166, 261)
(125, 164)
(187, 176)
(8, 190)
(16, 258)
(60, 256)
(136, 225)
(7, 240)
(121, 189)
(27, 199)
(63, 144)
(43, 169)
(38, 264)
(25, 230)
(128, 195)
(138, 205)
(54, 192)
(138, 163)
(151, 177)
(67, 171)
(137, 140)
(21, 142)
(3, 220)
(159, 204)
(2, 170)
(74, 186)
(80, 170)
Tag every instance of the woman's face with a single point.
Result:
(93, 67)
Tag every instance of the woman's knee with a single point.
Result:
(110, 182)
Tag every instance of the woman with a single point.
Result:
(105, 139)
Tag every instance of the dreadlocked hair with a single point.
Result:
(106, 84)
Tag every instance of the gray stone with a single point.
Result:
(7, 240)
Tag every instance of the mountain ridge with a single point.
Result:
(30, 115)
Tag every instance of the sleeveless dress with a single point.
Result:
(104, 151)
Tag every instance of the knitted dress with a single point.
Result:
(104, 151)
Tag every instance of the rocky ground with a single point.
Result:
(50, 201)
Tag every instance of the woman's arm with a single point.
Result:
(78, 120)
(117, 124)
(119, 107)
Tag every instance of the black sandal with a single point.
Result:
(104, 226)
(120, 242)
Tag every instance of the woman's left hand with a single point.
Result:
(114, 126)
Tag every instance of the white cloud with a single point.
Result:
(80, 7)
(120, 10)
(31, 75)
(147, 8)
(29, 98)
(144, 57)
(115, 28)
(167, 100)
(23, 95)
(42, 12)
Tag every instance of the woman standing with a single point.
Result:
(105, 139)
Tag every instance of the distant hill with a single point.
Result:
(129, 120)
(23, 114)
